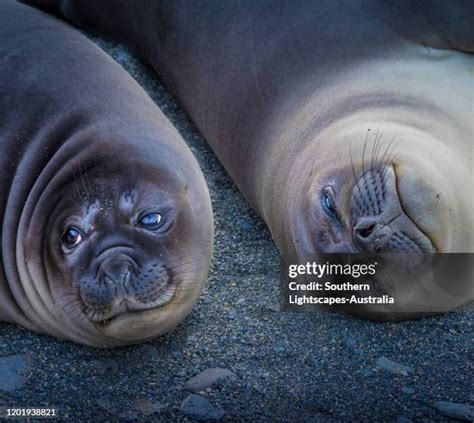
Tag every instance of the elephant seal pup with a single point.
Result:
(106, 219)
(347, 125)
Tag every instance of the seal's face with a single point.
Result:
(117, 249)
(364, 213)
(373, 204)
(125, 255)
(391, 208)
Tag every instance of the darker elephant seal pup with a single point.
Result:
(106, 219)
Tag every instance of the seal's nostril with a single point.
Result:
(366, 231)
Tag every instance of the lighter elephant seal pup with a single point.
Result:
(106, 219)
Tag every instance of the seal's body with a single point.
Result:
(347, 125)
(106, 218)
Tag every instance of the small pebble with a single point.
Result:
(455, 410)
(393, 367)
(199, 408)
(13, 369)
(209, 378)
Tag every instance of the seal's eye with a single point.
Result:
(72, 237)
(328, 205)
(151, 221)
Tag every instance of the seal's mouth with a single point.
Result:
(122, 287)
(128, 305)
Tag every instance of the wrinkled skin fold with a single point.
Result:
(106, 218)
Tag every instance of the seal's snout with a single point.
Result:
(118, 271)
(379, 222)
(104, 295)
(123, 286)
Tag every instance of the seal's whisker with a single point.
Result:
(379, 149)
(393, 218)
(75, 309)
(352, 163)
(375, 147)
(84, 186)
(376, 151)
(363, 160)
(88, 182)
(389, 156)
(79, 193)
(363, 155)
(377, 156)
(71, 302)
(382, 160)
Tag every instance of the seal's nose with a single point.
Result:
(366, 232)
(117, 269)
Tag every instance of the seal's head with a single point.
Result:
(115, 242)
(393, 193)
(127, 245)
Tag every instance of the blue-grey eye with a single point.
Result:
(151, 220)
(329, 205)
(72, 237)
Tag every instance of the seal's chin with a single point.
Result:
(127, 306)
(140, 324)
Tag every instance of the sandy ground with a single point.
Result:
(287, 366)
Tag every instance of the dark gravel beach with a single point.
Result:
(274, 366)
